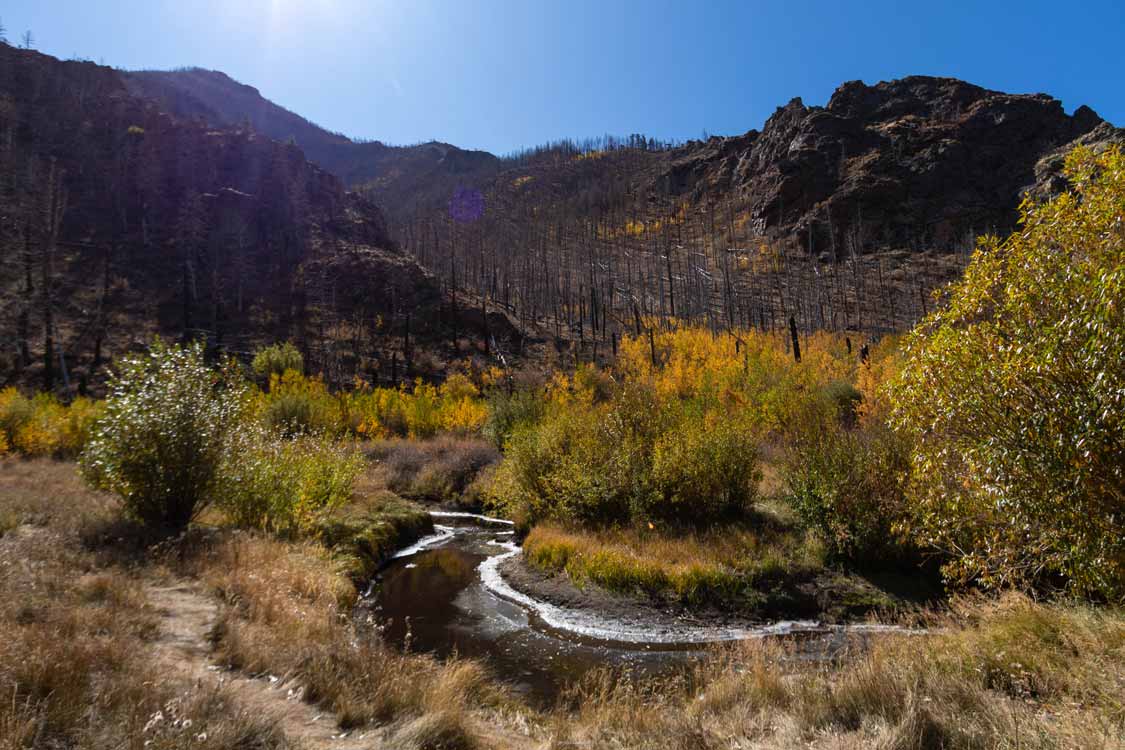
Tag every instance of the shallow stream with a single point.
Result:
(446, 595)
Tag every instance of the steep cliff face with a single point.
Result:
(914, 162)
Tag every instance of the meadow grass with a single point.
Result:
(1008, 673)
(289, 613)
(76, 669)
(711, 566)
(75, 665)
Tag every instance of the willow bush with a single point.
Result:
(163, 437)
(285, 486)
(1014, 395)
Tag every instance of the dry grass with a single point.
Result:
(75, 670)
(42, 492)
(709, 566)
(443, 469)
(289, 615)
(1026, 675)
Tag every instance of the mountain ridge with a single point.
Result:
(807, 168)
(120, 221)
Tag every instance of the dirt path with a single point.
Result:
(187, 616)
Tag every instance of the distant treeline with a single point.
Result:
(568, 147)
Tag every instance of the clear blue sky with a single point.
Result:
(503, 74)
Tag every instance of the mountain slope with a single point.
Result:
(847, 216)
(119, 221)
(396, 177)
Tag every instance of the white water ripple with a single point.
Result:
(475, 516)
(441, 533)
(624, 630)
(637, 631)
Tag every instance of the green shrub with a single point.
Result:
(848, 486)
(277, 360)
(1015, 395)
(161, 443)
(286, 486)
(296, 404)
(290, 413)
(16, 411)
(846, 399)
(509, 411)
(704, 468)
(632, 459)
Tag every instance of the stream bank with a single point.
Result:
(464, 590)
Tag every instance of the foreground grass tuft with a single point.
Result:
(1011, 673)
(289, 614)
(75, 666)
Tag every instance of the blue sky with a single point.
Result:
(502, 74)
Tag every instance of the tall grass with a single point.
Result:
(288, 614)
(76, 668)
(1007, 674)
(716, 567)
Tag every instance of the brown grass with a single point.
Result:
(46, 492)
(74, 666)
(76, 670)
(289, 616)
(1027, 675)
(441, 470)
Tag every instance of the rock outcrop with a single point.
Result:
(916, 162)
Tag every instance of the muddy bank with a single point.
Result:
(830, 598)
(559, 591)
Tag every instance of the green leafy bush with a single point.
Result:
(296, 404)
(1014, 393)
(277, 359)
(849, 487)
(162, 440)
(633, 459)
(846, 399)
(705, 468)
(509, 411)
(286, 486)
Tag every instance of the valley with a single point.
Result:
(808, 436)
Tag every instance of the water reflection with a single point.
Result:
(434, 601)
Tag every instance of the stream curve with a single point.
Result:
(447, 594)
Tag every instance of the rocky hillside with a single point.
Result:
(918, 162)
(396, 177)
(847, 216)
(913, 162)
(184, 203)
(119, 220)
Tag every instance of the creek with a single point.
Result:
(446, 595)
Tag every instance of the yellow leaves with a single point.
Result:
(42, 426)
(493, 376)
(463, 416)
(590, 155)
(998, 386)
